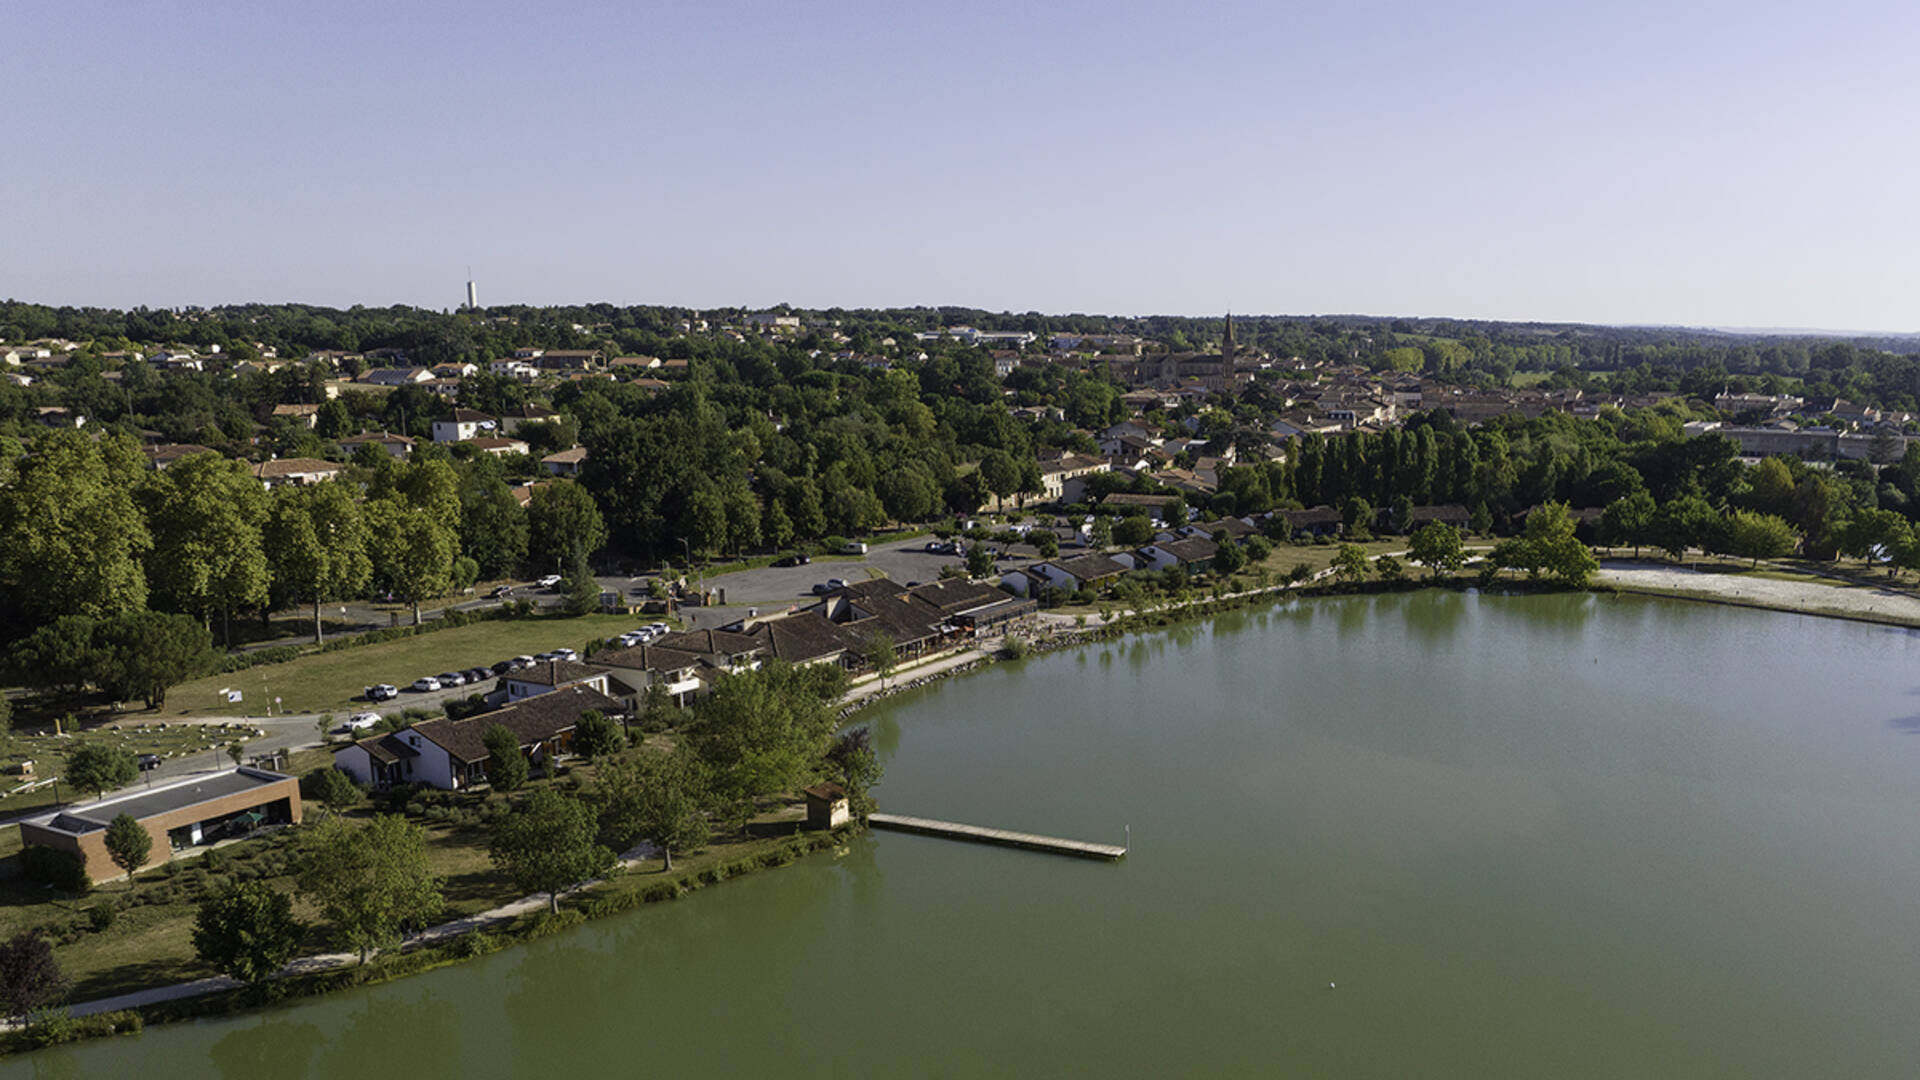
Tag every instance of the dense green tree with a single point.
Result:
(1763, 536)
(30, 977)
(561, 519)
(596, 735)
(1350, 564)
(656, 796)
(549, 843)
(331, 788)
(143, 654)
(128, 844)
(316, 545)
(1682, 523)
(206, 514)
(853, 763)
(72, 538)
(1874, 535)
(1229, 557)
(411, 552)
(493, 525)
(759, 732)
(1133, 530)
(506, 765)
(247, 931)
(369, 881)
(59, 657)
(1628, 521)
(1438, 547)
(979, 562)
(99, 767)
(430, 485)
(1550, 534)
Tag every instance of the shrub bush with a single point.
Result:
(61, 869)
(100, 916)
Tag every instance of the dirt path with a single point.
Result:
(1845, 600)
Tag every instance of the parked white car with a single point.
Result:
(548, 581)
(426, 683)
(361, 721)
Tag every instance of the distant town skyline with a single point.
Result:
(1717, 166)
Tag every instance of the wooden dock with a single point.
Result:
(1031, 841)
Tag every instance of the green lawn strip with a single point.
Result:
(328, 682)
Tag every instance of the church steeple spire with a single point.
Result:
(1226, 346)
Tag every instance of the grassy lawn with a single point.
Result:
(328, 682)
(48, 752)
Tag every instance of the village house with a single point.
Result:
(1066, 575)
(298, 470)
(452, 754)
(395, 376)
(514, 369)
(530, 413)
(1064, 479)
(164, 454)
(1193, 554)
(545, 678)
(498, 446)
(1127, 504)
(569, 359)
(565, 462)
(462, 425)
(1320, 520)
(398, 446)
(633, 670)
(304, 415)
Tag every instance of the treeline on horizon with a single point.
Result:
(768, 448)
(1881, 370)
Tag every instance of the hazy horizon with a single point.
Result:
(1719, 166)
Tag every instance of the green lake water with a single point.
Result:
(1557, 836)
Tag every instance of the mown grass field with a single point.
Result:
(330, 682)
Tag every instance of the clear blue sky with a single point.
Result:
(1748, 164)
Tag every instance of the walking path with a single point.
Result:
(306, 965)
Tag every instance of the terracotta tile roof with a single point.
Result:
(532, 720)
(1191, 550)
(1091, 567)
(709, 642)
(801, 637)
(646, 658)
(556, 673)
(297, 466)
(387, 748)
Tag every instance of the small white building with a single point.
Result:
(462, 425)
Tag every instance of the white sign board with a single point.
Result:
(233, 696)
